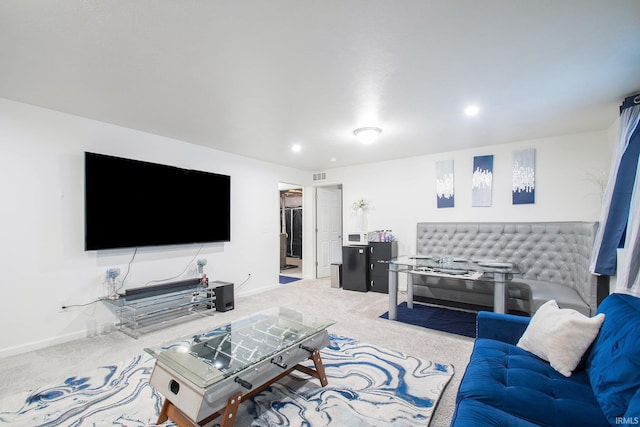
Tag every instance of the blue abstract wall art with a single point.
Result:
(444, 184)
(524, 177)
(482, 181)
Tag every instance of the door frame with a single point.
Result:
(284, 186)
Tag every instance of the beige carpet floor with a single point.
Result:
(356, 315)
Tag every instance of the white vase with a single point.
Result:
(361, 220)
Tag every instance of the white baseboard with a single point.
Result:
(97, 329)
(37, 345)
(256, 291)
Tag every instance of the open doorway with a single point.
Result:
(290, 229)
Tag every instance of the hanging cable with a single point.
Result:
(178, 275)
(64, 307)
(128, 269)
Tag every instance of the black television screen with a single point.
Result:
(131, 203)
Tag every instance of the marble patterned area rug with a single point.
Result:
(368, 386)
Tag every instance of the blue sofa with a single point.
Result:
(505, 385)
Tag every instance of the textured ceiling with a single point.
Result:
(254, 77)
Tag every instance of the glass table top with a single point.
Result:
(207, 357)
(451, 264)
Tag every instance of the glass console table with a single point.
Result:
(499, 273)
(136, 314)
(208, 374)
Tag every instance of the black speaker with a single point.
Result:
(224, 295)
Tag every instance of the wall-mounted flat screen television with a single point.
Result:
(131, 203)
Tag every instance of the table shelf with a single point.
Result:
(139, 311)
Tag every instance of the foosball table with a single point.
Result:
(208, 374)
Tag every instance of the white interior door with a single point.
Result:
(328, 229)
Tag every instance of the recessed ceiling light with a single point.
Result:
(471, 110)
(296, 148)
(333, 159)
(367, 135)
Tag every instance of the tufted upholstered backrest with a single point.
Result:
(557, 252)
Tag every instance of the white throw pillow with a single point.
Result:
(560, 336)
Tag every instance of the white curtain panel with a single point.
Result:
(628, 122)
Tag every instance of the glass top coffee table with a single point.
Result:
(208, 374)
(496, 272)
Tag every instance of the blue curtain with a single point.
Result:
(615, 213)
(628, 276)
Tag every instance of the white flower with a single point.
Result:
(359, 204)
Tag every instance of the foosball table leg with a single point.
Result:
(163, 412)
(170, 412)
(231, 410)
(317, 361)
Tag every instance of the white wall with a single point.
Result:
(570, 171)
(42, 253)
(41, 213)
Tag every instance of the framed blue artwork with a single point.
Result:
(482, 181)
(444, 184)
(524, 177)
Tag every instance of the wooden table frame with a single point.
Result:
(229, 412)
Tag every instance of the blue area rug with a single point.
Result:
(287, 279)
(368, 386)
(441, 319)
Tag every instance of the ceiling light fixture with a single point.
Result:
(472, 110)
(296, 148)
(367, 135)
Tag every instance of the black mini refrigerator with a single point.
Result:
(355, 267)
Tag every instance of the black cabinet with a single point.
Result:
(379, 271)
(355, 268)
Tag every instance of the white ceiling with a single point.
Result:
(253, 77)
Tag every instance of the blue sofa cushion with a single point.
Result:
(632, 416)
(501, 327)
(473, 413)
(613, 364)
(526, 389)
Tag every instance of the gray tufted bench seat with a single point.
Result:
(552, 259)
